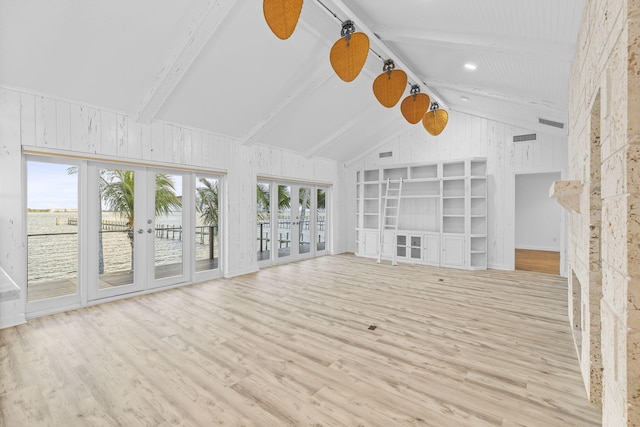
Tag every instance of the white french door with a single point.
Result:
(98, 229)
(140, 229)
(292, 222)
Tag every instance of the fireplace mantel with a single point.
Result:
(567, 193)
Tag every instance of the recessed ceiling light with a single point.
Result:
(469, 66)
(464, 98)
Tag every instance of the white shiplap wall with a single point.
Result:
(41, 123)
(470, 136)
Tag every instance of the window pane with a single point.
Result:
(263, 219)
(115, 236)
(207, 241)
(168, 232)
(284, 221)
(52, 230)
(304, 220)
(321, 217)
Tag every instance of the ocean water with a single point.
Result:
(53, 246)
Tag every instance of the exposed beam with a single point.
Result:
(316, 80)
(318, 76)
(209, 19)
(381, 48)
(334, 137)
(510, 46)
(401, 129)
(491, 94)
(533, 125)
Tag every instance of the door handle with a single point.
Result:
(140, 231)
(149, 230)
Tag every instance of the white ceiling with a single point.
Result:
(215, 65)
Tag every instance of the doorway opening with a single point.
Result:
(538, 224)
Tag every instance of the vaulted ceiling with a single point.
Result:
(215, 65)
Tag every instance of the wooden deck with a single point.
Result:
(331, 341)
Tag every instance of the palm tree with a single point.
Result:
(117, 190)
(117, 194)
(207, 201)
(263, 194)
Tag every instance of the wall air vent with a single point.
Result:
(386, 154)
(522, 138)
(550, 123)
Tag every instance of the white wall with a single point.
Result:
(471, 136)
(38, 123)
(11, 224)
(537, 216)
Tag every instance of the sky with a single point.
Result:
(51, 187)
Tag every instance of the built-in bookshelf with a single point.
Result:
(442, 218)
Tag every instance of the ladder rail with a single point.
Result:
(395, 231)
(384, 223)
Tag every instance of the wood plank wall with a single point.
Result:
(38, 122)
(470, 136)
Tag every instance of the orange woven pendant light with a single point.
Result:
(389, 86)
(435, 121)
(415, 106)
(349, 53)
(282, 16)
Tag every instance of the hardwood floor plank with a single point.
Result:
(539, 261)
(291, 345)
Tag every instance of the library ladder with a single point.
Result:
(389, 218)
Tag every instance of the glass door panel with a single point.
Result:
(168, 219)
(284, 230)
(303, 220)
(116, 247)
(115, 233)
(52, 230)
(263, 220)
(321, 220)
(207, 224)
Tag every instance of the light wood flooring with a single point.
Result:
(538, 261)
(57, 288)
(291, 345)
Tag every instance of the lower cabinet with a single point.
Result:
(370, 245)
(445, 250)
(409, 247)
(431, 249)
(453, 249)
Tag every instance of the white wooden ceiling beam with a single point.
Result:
(211, 16)
(316, 80)
(533, 125)
(335, 136)
(318, 76)
(504, 45)
(496, 95)
(399, 130)
(382, 49)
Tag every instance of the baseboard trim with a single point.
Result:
(500, 267)
(539, 248)
(8, 322)
(242, 272)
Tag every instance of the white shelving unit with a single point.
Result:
(443, 215)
